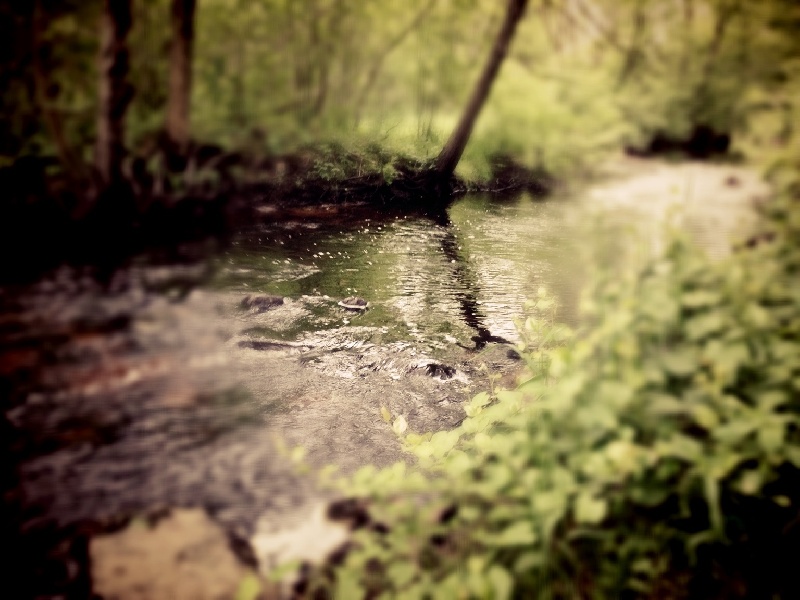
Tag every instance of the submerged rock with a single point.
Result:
(354, 303)
(261, 303)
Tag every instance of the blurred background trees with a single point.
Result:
(581, 77)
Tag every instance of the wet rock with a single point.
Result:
(354, 303)
(486, 337)
(270, 345)
(186, 555)
(310, 536)
(438, 370)
(261, 303)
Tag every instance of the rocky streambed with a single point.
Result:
(142, 394)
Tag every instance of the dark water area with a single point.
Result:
(151, 387)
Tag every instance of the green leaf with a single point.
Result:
(499, 476)
(475, 405)
(298, 453)
(793, 455)
(448, 589)
(642, 565)
(681, 446)
(249, 588)
(365, 475)
(734, 431)
(728, 356)
(650, 495)
(704, 325)
(400, 425)
(750, 482)
(756, 316)
(528, 561)
(700, 299)
(387, 416)
(401, 573)
(719, 465)
(414, 439)
(680, 363)
(623, 455)
(590, 509)
(509, 395)
(502, 583)
(443, 441)
(280, 572)
(769, 401)
(520, 533)
(664, 404)
(705, 416)
(614, 393)
(347, 585)
(549, 503)
(770, 435)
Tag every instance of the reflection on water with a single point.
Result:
(470, 273)
(432, 280)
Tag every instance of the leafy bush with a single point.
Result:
(654, 453)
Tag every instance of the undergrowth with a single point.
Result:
(654, 453)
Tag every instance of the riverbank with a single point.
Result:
(171, 205)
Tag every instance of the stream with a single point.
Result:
(158, 387)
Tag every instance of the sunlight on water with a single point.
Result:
(427, 280)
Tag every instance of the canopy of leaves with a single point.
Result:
(583, 76)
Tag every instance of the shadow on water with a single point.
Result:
(410, 267)
(468, 287)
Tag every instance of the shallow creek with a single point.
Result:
(155, 387)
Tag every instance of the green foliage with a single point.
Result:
(249, 588)
(705, 65)
(58, 78)
(654, 453)
(580, 79)
(337, 161)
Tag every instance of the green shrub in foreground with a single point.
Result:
(655, 455)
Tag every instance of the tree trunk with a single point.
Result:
(448, 158)
(115, 92)
(180, 72)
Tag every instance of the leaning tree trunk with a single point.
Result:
(180, 72)
(448, 158)
(115, 92)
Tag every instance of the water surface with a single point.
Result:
(442, 279)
